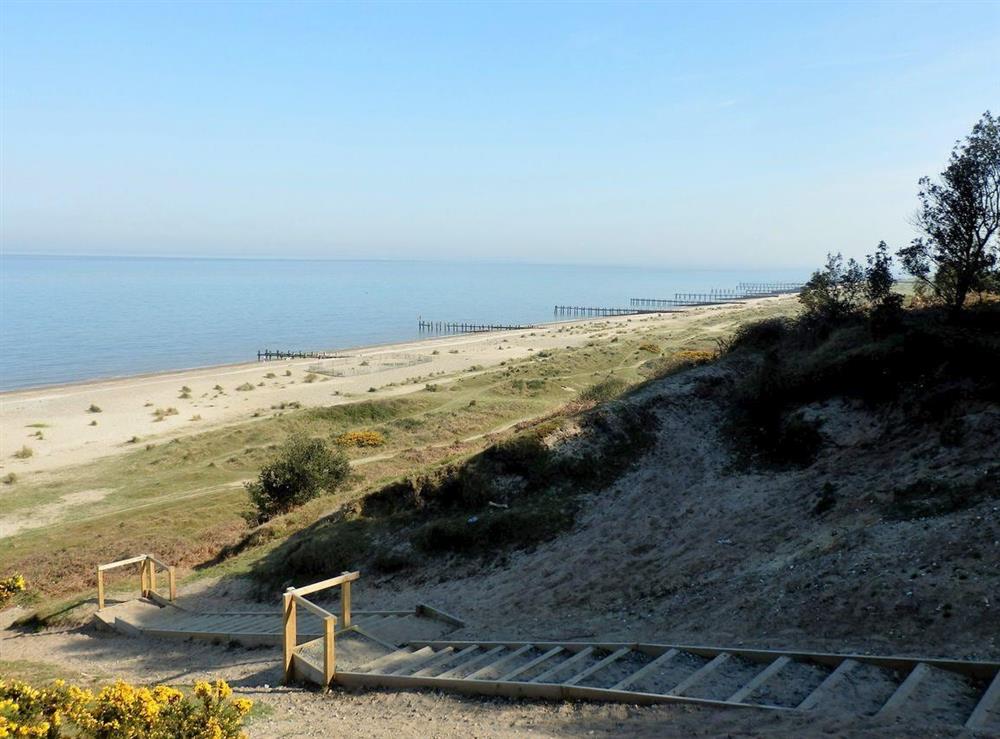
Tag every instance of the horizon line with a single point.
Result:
(459, 260)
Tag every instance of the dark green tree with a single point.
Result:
(959, 218)
(303, 469)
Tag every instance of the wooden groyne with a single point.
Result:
(579, 310)
(453, 327)
(266, 355)
(744, 291)
(760, 289)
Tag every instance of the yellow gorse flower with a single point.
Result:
(120, 710)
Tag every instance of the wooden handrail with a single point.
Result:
(344, 577)
(147, 576)
(321, 612)
(294, 597)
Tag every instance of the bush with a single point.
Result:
(121, 710)
(245, 387)
(303, 469)
(606, 389)
(162, 413)
(9, 587)
(651, 348)
(24, 452)
(94, 408)
(360, 438)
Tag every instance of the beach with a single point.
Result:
(74, 424)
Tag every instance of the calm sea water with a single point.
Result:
(64, 319)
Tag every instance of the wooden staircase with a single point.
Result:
(936, 691)
(397, 649)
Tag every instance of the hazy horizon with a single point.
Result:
(679, 135)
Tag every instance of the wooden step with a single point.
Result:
(766, 674)
(989, 703)
(642, 672)
(614, 656)
(532, 663)
(700, 674)
(444, 659)
(894, 705)
(576, 659)
(500, 662)
(477, 660)
(828, 685)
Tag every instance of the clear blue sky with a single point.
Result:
(710, 134)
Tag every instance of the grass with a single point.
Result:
(183, 499)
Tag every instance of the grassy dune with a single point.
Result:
(183, 500)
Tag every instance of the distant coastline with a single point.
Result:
(72, 320)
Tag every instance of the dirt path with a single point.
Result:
(92, 656)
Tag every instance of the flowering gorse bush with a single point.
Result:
(361, 438)
(694, 356)
(9, 587)
(121, 711)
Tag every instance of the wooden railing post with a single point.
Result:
(290, 638)
(329, 653)
(100, 589)
(143, 578)
(345, 604)
(172, 582)
(152, 574)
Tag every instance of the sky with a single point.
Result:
(692, 135)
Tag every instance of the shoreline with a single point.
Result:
(48, 428)
(71, 384)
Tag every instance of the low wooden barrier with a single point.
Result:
(147, 577)
(294, 597)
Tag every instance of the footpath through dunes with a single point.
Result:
(403, 649)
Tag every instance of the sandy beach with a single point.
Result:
(62, 426)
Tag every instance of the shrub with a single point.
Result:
(245, 387)
(162, 413)
(93, 423)
(651, 348)
(606, 389)
(120, 710)
(24, 452)
(303, 469)
(360, 438)
(9, 479)
(94, 408)
(9, 587)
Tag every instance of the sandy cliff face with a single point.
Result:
(889, 541)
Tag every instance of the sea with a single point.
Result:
(69, 319)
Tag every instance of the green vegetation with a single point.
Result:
(853, 340)
(184, 499)
(959, 219)
(303, 469)
(606, 389)
(514, 494)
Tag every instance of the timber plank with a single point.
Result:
(831, 681)
(699, 674)
(988, 703)
(894, 705)
(766, 674)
